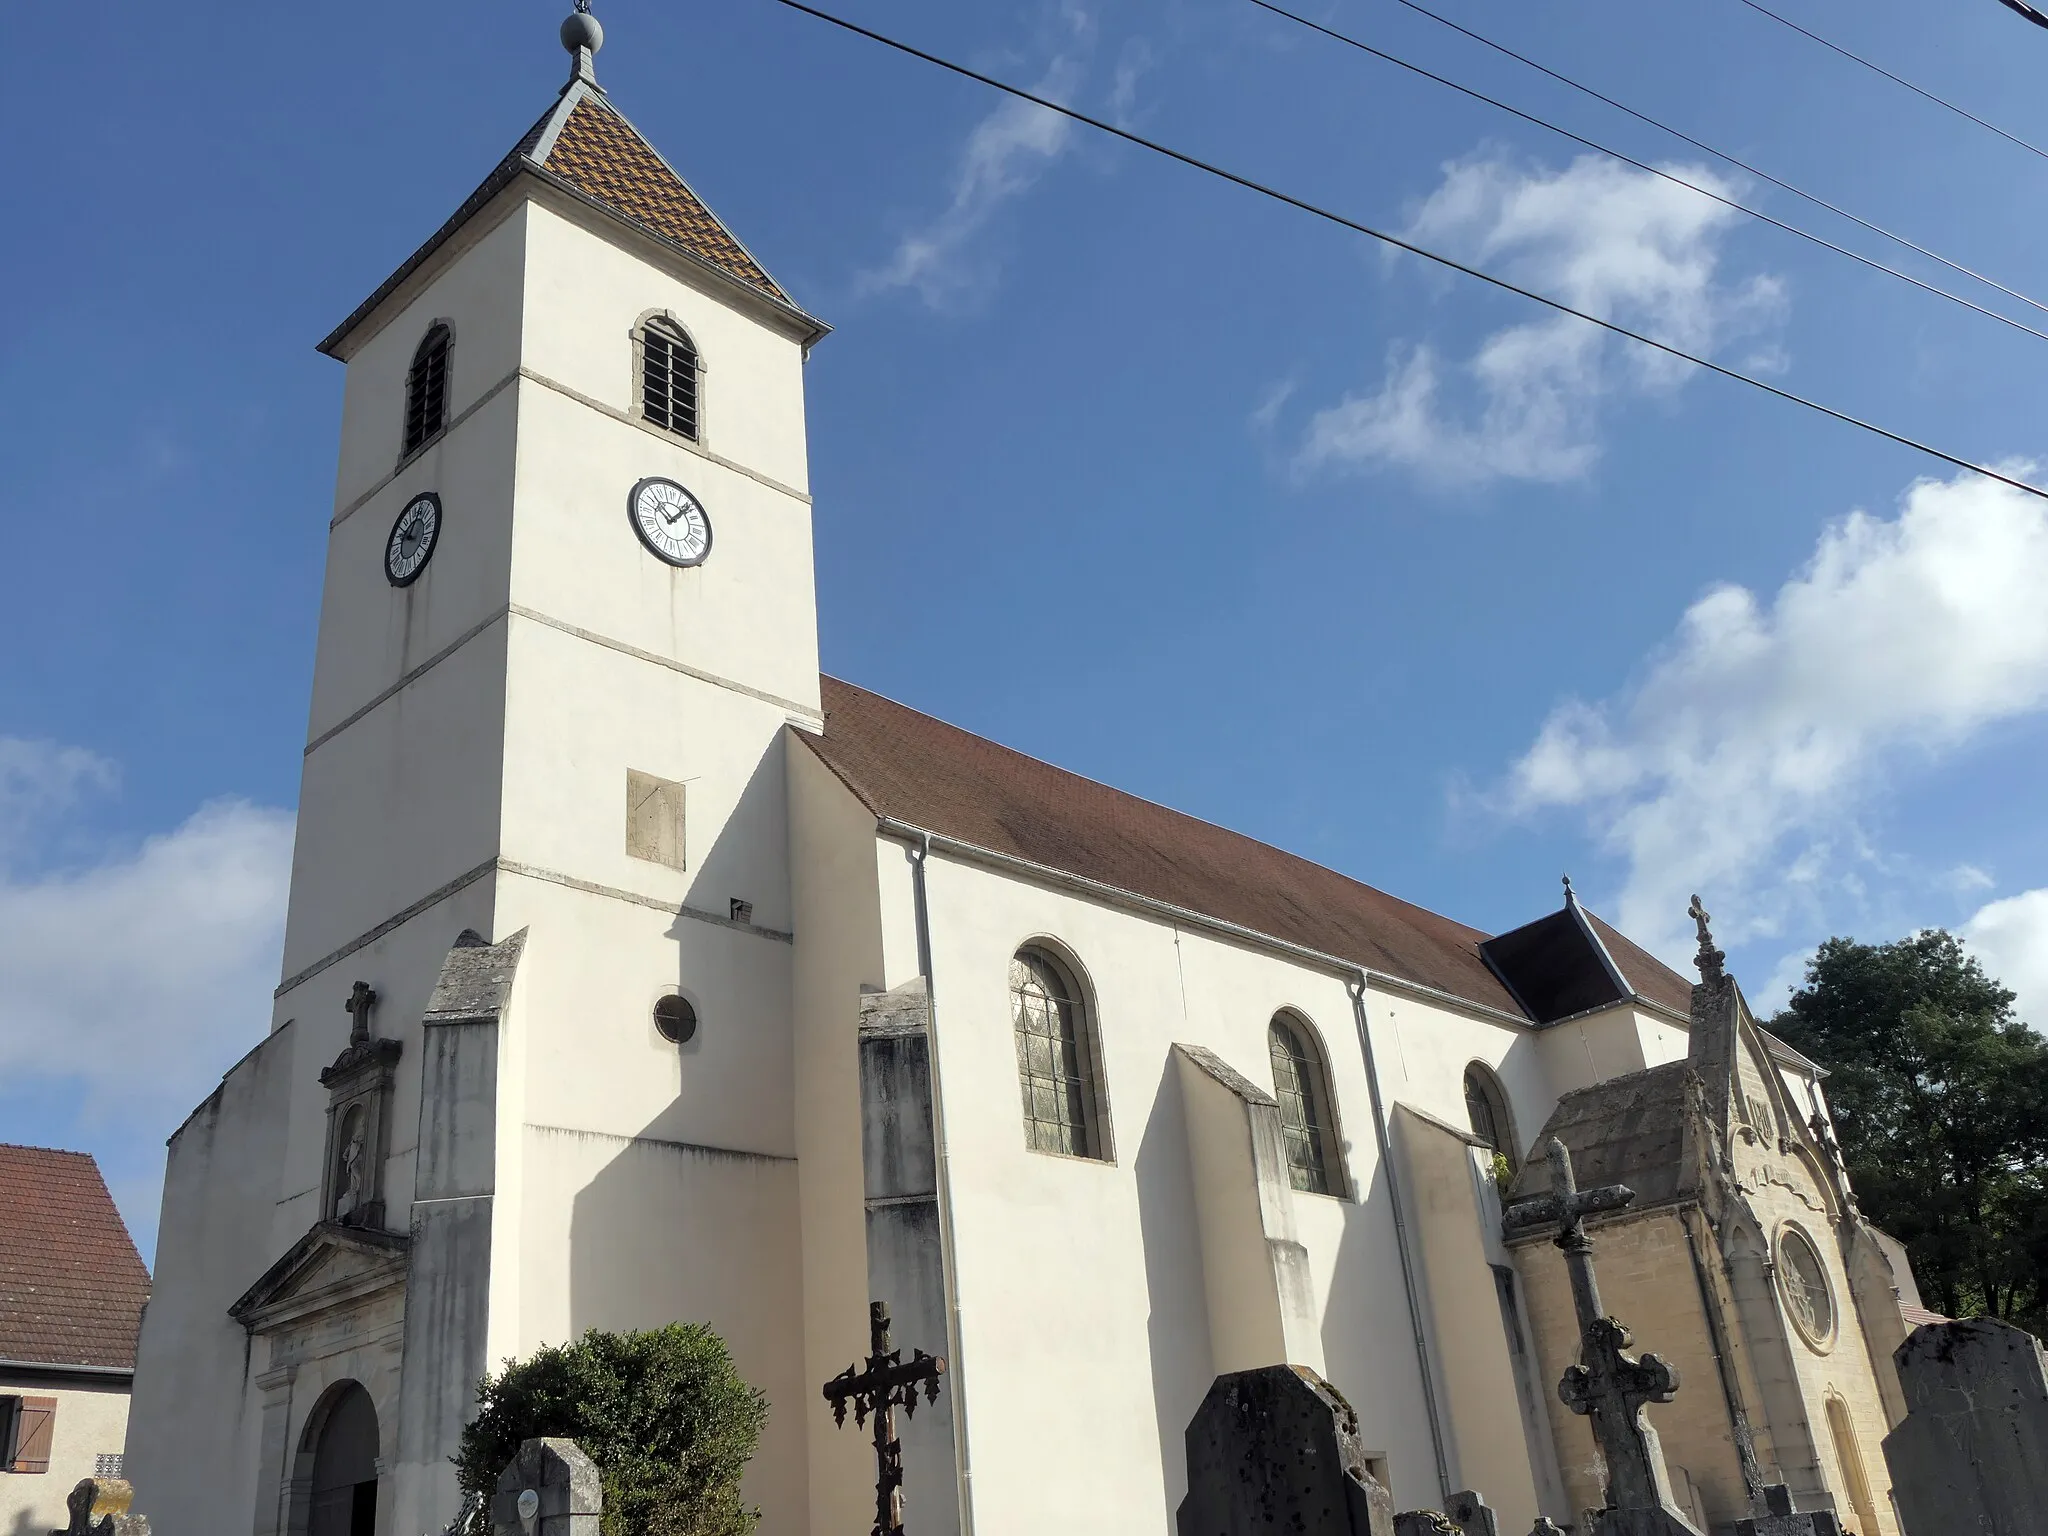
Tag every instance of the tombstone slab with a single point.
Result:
(1972, 1452)
(549, 1489)
(99, 1506)
(1276, 1450)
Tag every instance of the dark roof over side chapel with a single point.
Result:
(908, 767)
(71, 1283)
(585, 146)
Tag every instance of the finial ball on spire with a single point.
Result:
(581, 29)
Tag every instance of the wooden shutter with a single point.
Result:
(35, 1425)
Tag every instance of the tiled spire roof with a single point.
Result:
(601, 155)
(584, 145)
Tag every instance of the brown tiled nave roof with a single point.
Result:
(914, 769)
(71, 1283)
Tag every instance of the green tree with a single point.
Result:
(664, 1415)
(1938, 1093)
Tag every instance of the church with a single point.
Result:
(635, 972)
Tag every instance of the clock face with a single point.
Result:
(412, 539)
(670, 521)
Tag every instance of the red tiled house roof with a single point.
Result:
(71, 1283)
(911, 768)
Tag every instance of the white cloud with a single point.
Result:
(1615, 242)
(1003, 158)
(1737, 762)
(39, 780)
(132, 983)
(2010, 937)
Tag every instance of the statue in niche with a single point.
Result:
(350, 1176)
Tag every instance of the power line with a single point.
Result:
(1857, 58)
(1670, 176)
(1396, 241)
(1721, 154)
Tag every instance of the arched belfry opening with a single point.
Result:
(344, 1499)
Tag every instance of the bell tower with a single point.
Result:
(568, 614)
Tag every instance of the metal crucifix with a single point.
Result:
(1608, 1385)
(886, 1385)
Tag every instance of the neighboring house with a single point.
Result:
(72, 1289)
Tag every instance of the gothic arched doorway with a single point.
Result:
(345, 1468)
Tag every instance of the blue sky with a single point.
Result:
(1114, 463)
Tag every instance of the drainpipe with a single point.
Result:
(920, 854)
(1356, 987)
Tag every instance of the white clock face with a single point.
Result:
(412, 540)
(670, 521)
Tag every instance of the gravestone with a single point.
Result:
(1464, 1514)
(1276, 1450)
(1471, 1514)
(106, 1498)
(1772, 1514)
(1972, 1452)
(549, 1489)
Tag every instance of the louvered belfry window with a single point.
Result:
(1055, 1059)
(426, 388)
(1304, 1106)
(668, 378)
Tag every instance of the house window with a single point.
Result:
(426, 388)
(1055, 1058)
(27, 1426)
(1486, 1109)
(668, 377)
(1303, 1090)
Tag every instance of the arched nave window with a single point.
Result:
(1303, 1088)
(1055, 1057)
(426, 387)
(1486, 1107)
(668, 377)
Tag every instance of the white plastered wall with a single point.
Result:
(837, 908)
(1091, 1272)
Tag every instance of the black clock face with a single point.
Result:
(670, 521)
(412, 539)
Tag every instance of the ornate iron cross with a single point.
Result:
(360, 1001)
(1608, 1385)
(886, 1385)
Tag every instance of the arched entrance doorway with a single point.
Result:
(345, 1468)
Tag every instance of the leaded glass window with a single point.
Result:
(668, 378)
(1055, 1065)
(1485, 1110)
(1304, 1105)
(426, 388)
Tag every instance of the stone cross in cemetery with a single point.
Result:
(881, 1389)
(1609, 1386)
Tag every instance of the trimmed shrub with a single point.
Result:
(664, 1415)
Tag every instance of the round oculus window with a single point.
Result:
(1803, 1279)
(675, 1019)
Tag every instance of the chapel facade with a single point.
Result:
(635, 972)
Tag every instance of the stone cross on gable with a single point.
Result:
(360, 1001)
(1609, 1386)
(881, 1389)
